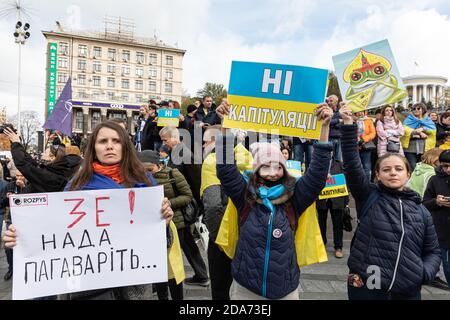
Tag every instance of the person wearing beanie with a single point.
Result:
(269, 202)
(178, 191)
(437, 201)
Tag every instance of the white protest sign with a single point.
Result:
(84, 240)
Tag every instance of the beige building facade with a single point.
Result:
(111, 77)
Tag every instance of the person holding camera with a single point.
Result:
(52, 173)
(437, 201)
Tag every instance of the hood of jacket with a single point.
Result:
(422, 168)
(66, 167)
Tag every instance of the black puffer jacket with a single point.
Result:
(396, 233)
(44, 178)
(439, 185)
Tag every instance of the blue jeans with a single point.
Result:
(337, 150)
(446, 264)
(303, 153)
(413, 159)
(366, 160)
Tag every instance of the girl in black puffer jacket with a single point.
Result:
(395, 248)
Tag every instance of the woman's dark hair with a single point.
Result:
(286, 148)
(445, 156)
(389, 155)
(383, 111)
(131, 168)
(120, 121)
(58, 151)
(444, 115)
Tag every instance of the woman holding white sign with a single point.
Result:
(110, 163)
(395, 248)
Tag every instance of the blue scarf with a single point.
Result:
(414, 123)
(268, 194)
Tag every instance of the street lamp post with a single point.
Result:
(21, 35)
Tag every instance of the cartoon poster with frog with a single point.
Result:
(368, 77)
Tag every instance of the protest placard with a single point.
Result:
(336, 187)
(168, 117)
(85, 240)
(294, 168)
(274, 98)
(368, 77)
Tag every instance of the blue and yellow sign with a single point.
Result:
(168, 117)
(294, 168)
(277, 99)
(336, 187)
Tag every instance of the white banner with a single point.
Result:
(84, 240)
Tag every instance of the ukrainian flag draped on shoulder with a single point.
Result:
(411, 123)
(308, 239)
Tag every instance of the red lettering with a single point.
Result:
(97, 211)
(81, 213)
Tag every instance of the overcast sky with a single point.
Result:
(215, 32)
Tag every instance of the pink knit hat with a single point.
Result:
(265, 153)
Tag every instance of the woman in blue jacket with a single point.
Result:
(110, 163)
(395, 248)
(269, 202)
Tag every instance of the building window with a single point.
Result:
(112, 54)
(140, 57)
(97, 66)
(124, 97)
(82, 94)
(111, 68)
(153, 72)
(169, 60)
(125, 84)
(152, 86)
(82, 79)
(95, 119)
(111, 82)
(168, 88)
(126, 55)
(153, 58)
(64, 48)
(82, 50)
(60, 90)
(62, 77)
(110, 96)
(139, 72)
(81, 64)
(79, 120)
(169, 74)
(139, 98)
(97, 81)
(125, 70)
(62, 62)
(139, 85)
(96, 95)
(97, 52)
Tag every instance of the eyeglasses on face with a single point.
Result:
(445, 166)
(417, 108)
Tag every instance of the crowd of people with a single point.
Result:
(397, 168)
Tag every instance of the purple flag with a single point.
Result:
(61, 117)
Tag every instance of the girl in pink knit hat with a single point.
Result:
(269, 202)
